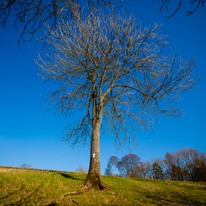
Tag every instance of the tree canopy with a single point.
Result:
(165, 6)
(118, 63)
(33, 15)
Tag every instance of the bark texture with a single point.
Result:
(94, 179)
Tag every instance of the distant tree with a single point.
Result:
(161, 163)
(157, 171)
(185, 164)
(33, 15)
(176, 167)
(81, 170)
(169, 161)
(144, 169)
(129, 165)
(112, 165)
(165, 6)
(25, 165)
(151, 172)
(176, 173)
(186, 160)
(112, 69)
(199, 173)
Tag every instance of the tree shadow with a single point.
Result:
(142, 179)
(23, 198)
(175, 200)
(169, 198)
(188, 185)
(26, 198)
(3, 199)
(52, 204)
(69, 176)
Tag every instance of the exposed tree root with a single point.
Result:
(80, 191)
(88, 186)
(69, 185)
(76, 202)
(113, 199)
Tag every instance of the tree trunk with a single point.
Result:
(151, 173)
(94, 179)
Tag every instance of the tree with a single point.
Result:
(25, 165)
(199, 174)
(81, 170)
(158, 168)
(112, 69)
(176, 172)
(185, 164)
(186, 161)
(169, 161)
(129, 165)
(165, 4)
(112, 164)
(157, 171)
(32, 15)
(144, 169)
(177, 169)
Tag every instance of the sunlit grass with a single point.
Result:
(36, 187)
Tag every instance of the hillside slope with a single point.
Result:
(20, 186)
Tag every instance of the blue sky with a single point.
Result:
(30, 135)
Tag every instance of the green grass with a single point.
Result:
(45, 187)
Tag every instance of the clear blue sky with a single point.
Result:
(30, 135)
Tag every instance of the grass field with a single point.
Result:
(20, 186)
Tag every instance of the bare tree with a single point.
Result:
(81, 170)
(157, 171)
(186, 161)
(160, 161)
(165, 5)
(112, 165)
(25, 165)
(33, 14)
(169, 161)
(144, 169)
(199, 169)
(112, 69)
(129, 165)
(185, 164)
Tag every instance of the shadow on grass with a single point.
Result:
(174, 199)
(188, 186)
(52, 204)
(184, 184)
(3, 199)
(22, 199)
(69, 176)
(169, 198)
(142, 179)
(28, 198)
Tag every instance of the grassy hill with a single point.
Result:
(20, 186)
